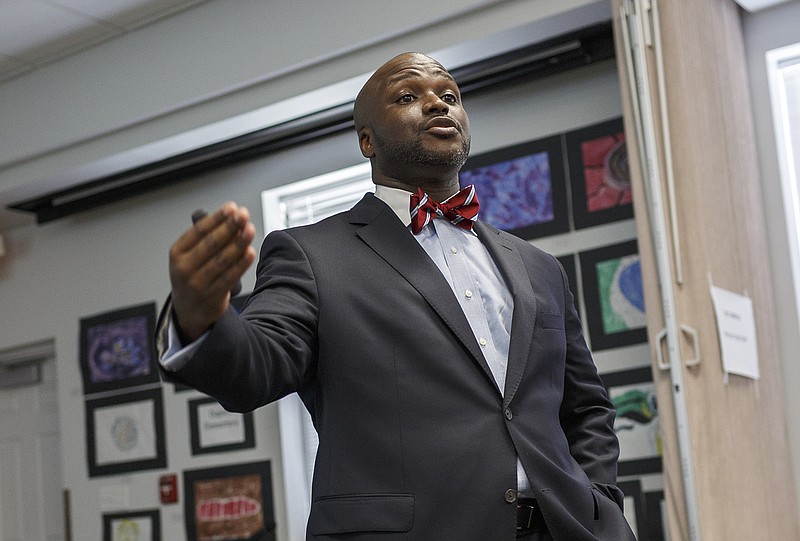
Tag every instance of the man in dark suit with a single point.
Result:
(444, 366)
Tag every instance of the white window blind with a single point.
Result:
(301, 203)
(308, 201)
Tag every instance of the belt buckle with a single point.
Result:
(530, 508)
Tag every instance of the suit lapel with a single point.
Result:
(510, 263)
(383, 232)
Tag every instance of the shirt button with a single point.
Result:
(511, 495)
(482, 341)
(453, 250)
(468, 293)
(508, 413)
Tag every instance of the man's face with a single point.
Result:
(416, 117)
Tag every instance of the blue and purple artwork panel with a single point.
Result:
(521, 189)
(118, 349)
(514, 193)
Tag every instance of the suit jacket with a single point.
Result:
(416, 441)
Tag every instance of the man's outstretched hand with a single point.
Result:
(205, 263)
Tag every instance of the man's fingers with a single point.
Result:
(206, 262)
(210, 236)
(231, 272)
(226, 265)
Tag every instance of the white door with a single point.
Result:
(30, 461)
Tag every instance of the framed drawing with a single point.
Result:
(613, 296)
(599, 174)
(634, 506)
(521, 188)
(215, 430)
(125, 433)
(117, 349)
(637, 427)
(142, 525)
(230, 502)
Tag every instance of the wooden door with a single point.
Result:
(734, 473)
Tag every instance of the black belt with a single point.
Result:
(529, 517)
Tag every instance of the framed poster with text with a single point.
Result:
(215, 430)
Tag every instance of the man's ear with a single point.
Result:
(365, 143)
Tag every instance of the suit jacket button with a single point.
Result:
(509, 415)
(511, 495)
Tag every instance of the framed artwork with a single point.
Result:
(181, 387)
(568, 262)
(656, 529)
(125, 433)
(230, 502)
(215, 430)
(117, 349)
(522, 188)
(613, 296)
(634, 506)
(142, 525)
(637, 424)
(599, 174)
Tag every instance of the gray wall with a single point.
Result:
(225, 58)
(763, 31)
(134, 91)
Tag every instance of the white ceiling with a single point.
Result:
(34, 33)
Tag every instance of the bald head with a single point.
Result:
(412, 126)
(394, 68)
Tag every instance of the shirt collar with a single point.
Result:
(398, 201)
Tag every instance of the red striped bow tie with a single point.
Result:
(460, 209)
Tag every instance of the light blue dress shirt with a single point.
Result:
(476, 282)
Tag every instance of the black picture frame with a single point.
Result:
(130, 522)
(633, 493)
(181, 387)
(613, 296)
(125, 433)
(214, 430)
(248, 485)
(637, 423)
(117, 349)
(521, 188)
(654, 529)
(599, 174)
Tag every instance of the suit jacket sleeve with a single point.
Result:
(270, 350)
(587, 414)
